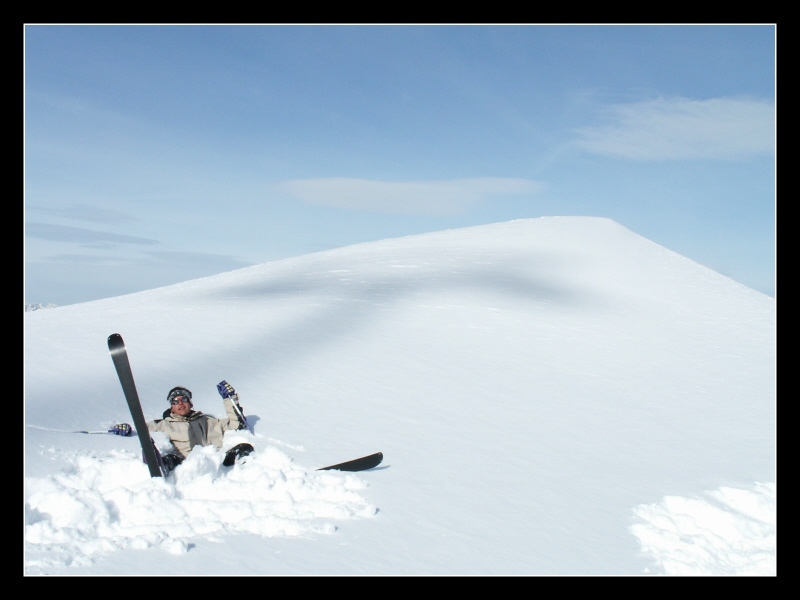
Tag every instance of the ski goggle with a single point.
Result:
(179, 392)
(179, 400)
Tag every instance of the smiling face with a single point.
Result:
(181, 405)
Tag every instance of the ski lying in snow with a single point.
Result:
(357, 464)
(123, 366)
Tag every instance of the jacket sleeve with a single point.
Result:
(234, 421)
(218, 427)
(163, 426)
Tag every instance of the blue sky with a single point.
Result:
(159, 154)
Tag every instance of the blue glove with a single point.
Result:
(225, 389)
(121, 429)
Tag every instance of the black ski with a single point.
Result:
(123, 366)
(357, 464)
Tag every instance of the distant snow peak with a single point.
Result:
(32, 307)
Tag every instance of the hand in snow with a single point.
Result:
(121, 429)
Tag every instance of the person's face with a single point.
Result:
(181, 405)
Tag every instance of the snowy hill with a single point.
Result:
(552, 396)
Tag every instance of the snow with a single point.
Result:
(553, 396)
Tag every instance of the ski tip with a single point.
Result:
(115, 341)
(359, 464)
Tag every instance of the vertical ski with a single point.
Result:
(116, 346)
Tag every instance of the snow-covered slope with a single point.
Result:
(538, 387)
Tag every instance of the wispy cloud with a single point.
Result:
(79, 235)
(84, 212)
(75, 105)
(209, 263)
(405, 197)
(681, 128)
(92, 260)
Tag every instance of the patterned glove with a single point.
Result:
(121, 429)
(225, 389)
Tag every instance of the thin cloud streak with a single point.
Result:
(682, 129)
(432, 198)
(86, 212)
(80, 235)
(207, 261)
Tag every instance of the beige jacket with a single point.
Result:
(196, 428)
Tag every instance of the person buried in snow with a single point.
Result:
(188, 428)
